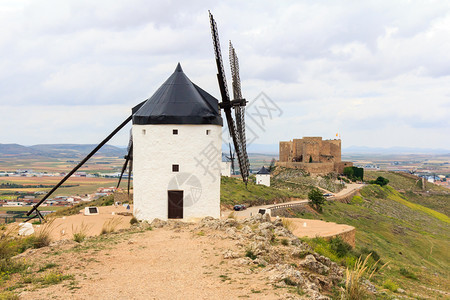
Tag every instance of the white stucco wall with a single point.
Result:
(263, 179)
(225, 168)
(199, 158)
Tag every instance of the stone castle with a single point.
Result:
(314, 155)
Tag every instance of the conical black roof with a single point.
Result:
(263, 171)
(178, 101)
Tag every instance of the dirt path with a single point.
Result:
(157, 264)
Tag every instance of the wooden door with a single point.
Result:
(175, 204)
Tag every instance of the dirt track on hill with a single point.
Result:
(157, 264)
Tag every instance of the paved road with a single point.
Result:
(254, 209)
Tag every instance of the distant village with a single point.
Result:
(23, 198)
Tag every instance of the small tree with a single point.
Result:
(316, 199)
(381, 181)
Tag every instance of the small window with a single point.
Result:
(175, 168)
(208, 132)
(175, 131)
(143, 131)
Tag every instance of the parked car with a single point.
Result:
(239, 207)
(327, 195)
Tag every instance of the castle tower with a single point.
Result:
(177, 139)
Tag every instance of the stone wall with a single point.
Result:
(324, 154)
(313, 168)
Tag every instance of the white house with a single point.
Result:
(225, 168)
(177, 154)
(263, 177)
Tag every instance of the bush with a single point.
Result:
(110, 225)
(354, 289)
(288, 224)
(42, 236)
(390, 285)
(354, 173)
(381, 181)
(407, 273)
(133, 221)
(250, 254)
(340, 247)
(316, 198)
(79, 234)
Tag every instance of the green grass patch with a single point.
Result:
(233, 191)
(394, 195)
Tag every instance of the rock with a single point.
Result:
(230, 222)
(299, 252)
(324, 260)
(313, 265)
(62, 242)
(231, 232)
(157, 223)
(228, 254)
(287, 274)
(400, 290)
(266, 234)
(259, 247)
(266, 218)
(260, 261)
(281, 231)
(265, 225)
(278, 222)
(246, 230)
(369, 286)
(242, 261)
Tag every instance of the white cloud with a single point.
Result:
(376, 71)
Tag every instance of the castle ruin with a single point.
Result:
(314, 155)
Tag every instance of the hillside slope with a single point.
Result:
(409, 236)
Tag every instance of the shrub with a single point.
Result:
(288, 281)
(284, 242)
(390, 285)
(288, 224)
(133, 221)
(340, 247)
(366, 251)
(79, 234)
(381, 181)
(407, 273)
(42, 236)
(316, 198)
(354, 289)
(232, 215)
(110, 225)
(250, 254)
(54, 278)
(8, 296)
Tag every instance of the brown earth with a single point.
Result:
(185, 261)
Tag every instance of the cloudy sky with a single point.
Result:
(376, 72)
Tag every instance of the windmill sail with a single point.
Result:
(226, 105)
(239, 111)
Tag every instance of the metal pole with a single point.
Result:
(81, 163)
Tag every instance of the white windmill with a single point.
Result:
(175, 149)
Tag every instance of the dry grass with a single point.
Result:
(354, 289)
(288, 224)
(80, 233)
(110, 225)
(232, 215)
(6, 236)
(42, 235)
